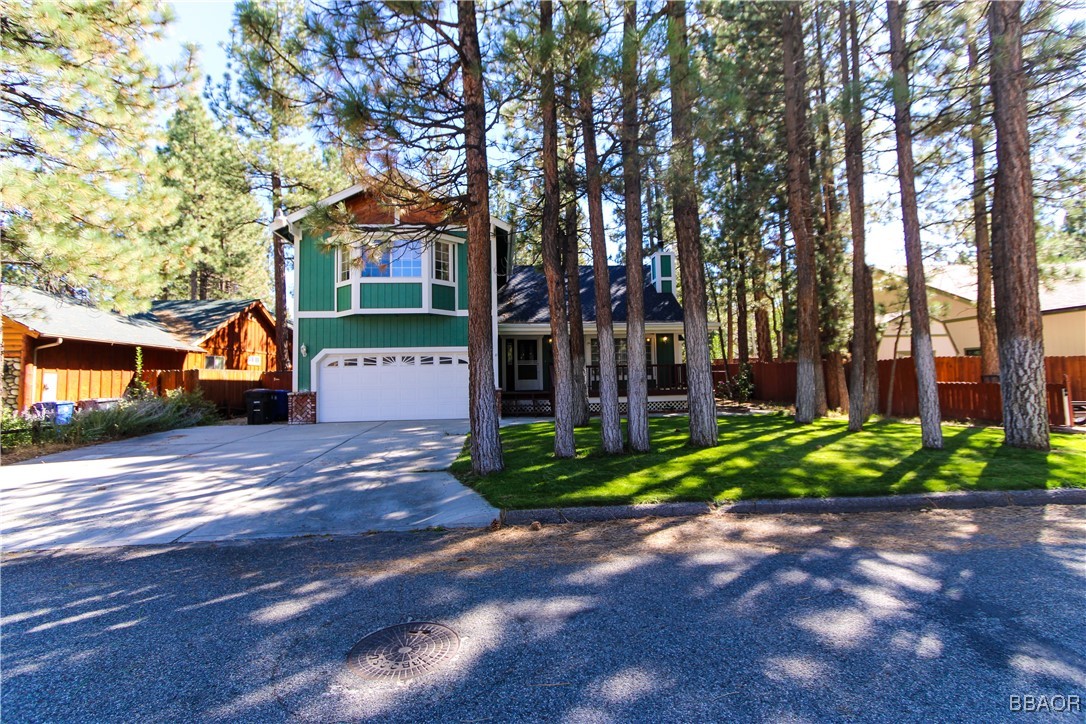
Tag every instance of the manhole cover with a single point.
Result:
(404, 651)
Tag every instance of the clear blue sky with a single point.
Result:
(206, 24)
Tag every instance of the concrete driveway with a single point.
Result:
(235, 482)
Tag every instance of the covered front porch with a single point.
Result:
(526, 362)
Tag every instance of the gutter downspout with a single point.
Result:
(60, 341)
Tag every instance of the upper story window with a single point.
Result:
(343, 267)
(443, 268)
(403, 260)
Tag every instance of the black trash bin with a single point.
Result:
(259, 406)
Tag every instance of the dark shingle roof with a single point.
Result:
(53, 316)
(194, 320)
(523, 299)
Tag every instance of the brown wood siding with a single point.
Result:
(250, 333)
(88, 370)
(368, 209)
(15, 336)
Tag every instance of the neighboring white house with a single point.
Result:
(952, 295)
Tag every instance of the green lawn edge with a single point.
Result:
(768, 456)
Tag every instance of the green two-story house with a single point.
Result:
(380, 328)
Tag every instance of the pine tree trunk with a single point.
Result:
(279, 269)
(729, 352)
(1014, 246)
(486, 448)
(986, 324)
(572, 263)
(742, 316)
(810, 387)
(859, 409)
(637, 383)
(762, 332)
(829, 238)
(922, 353)
(561, 370)
(610, 419)
(715, 298)
(871, 358)
(778, 334)
(787, 310)
(699, 373)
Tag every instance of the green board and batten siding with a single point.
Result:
(443, 297)
(462, 275)
(390, 295)
(317, 292)
(316, 281)
(375, 331)
(343, 298)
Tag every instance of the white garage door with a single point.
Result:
(423, 385)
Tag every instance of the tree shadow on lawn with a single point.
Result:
(762, 457)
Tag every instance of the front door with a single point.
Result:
(528, 371)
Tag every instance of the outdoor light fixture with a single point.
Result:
(304, 352)
(664, 338)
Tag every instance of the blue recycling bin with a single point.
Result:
(280, 407)
(65, 409)
(59, 412)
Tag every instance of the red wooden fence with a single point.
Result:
(226, 388)
(773, 381)
(962, 395)
(277, 381)
(1069, 369)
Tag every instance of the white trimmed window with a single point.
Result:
(620, 351)
(405, 261)
(443, 268)
(343, 265)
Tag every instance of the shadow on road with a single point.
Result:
(917, 616)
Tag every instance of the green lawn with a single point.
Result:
(769, 456)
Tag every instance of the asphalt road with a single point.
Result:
(890, 617)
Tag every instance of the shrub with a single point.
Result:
(128, 418)
(739, 387)
(140, 416)
(15, 430)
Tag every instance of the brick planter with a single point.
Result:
(302, 408)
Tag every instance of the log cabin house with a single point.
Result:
(57, 348)
(232, 334)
